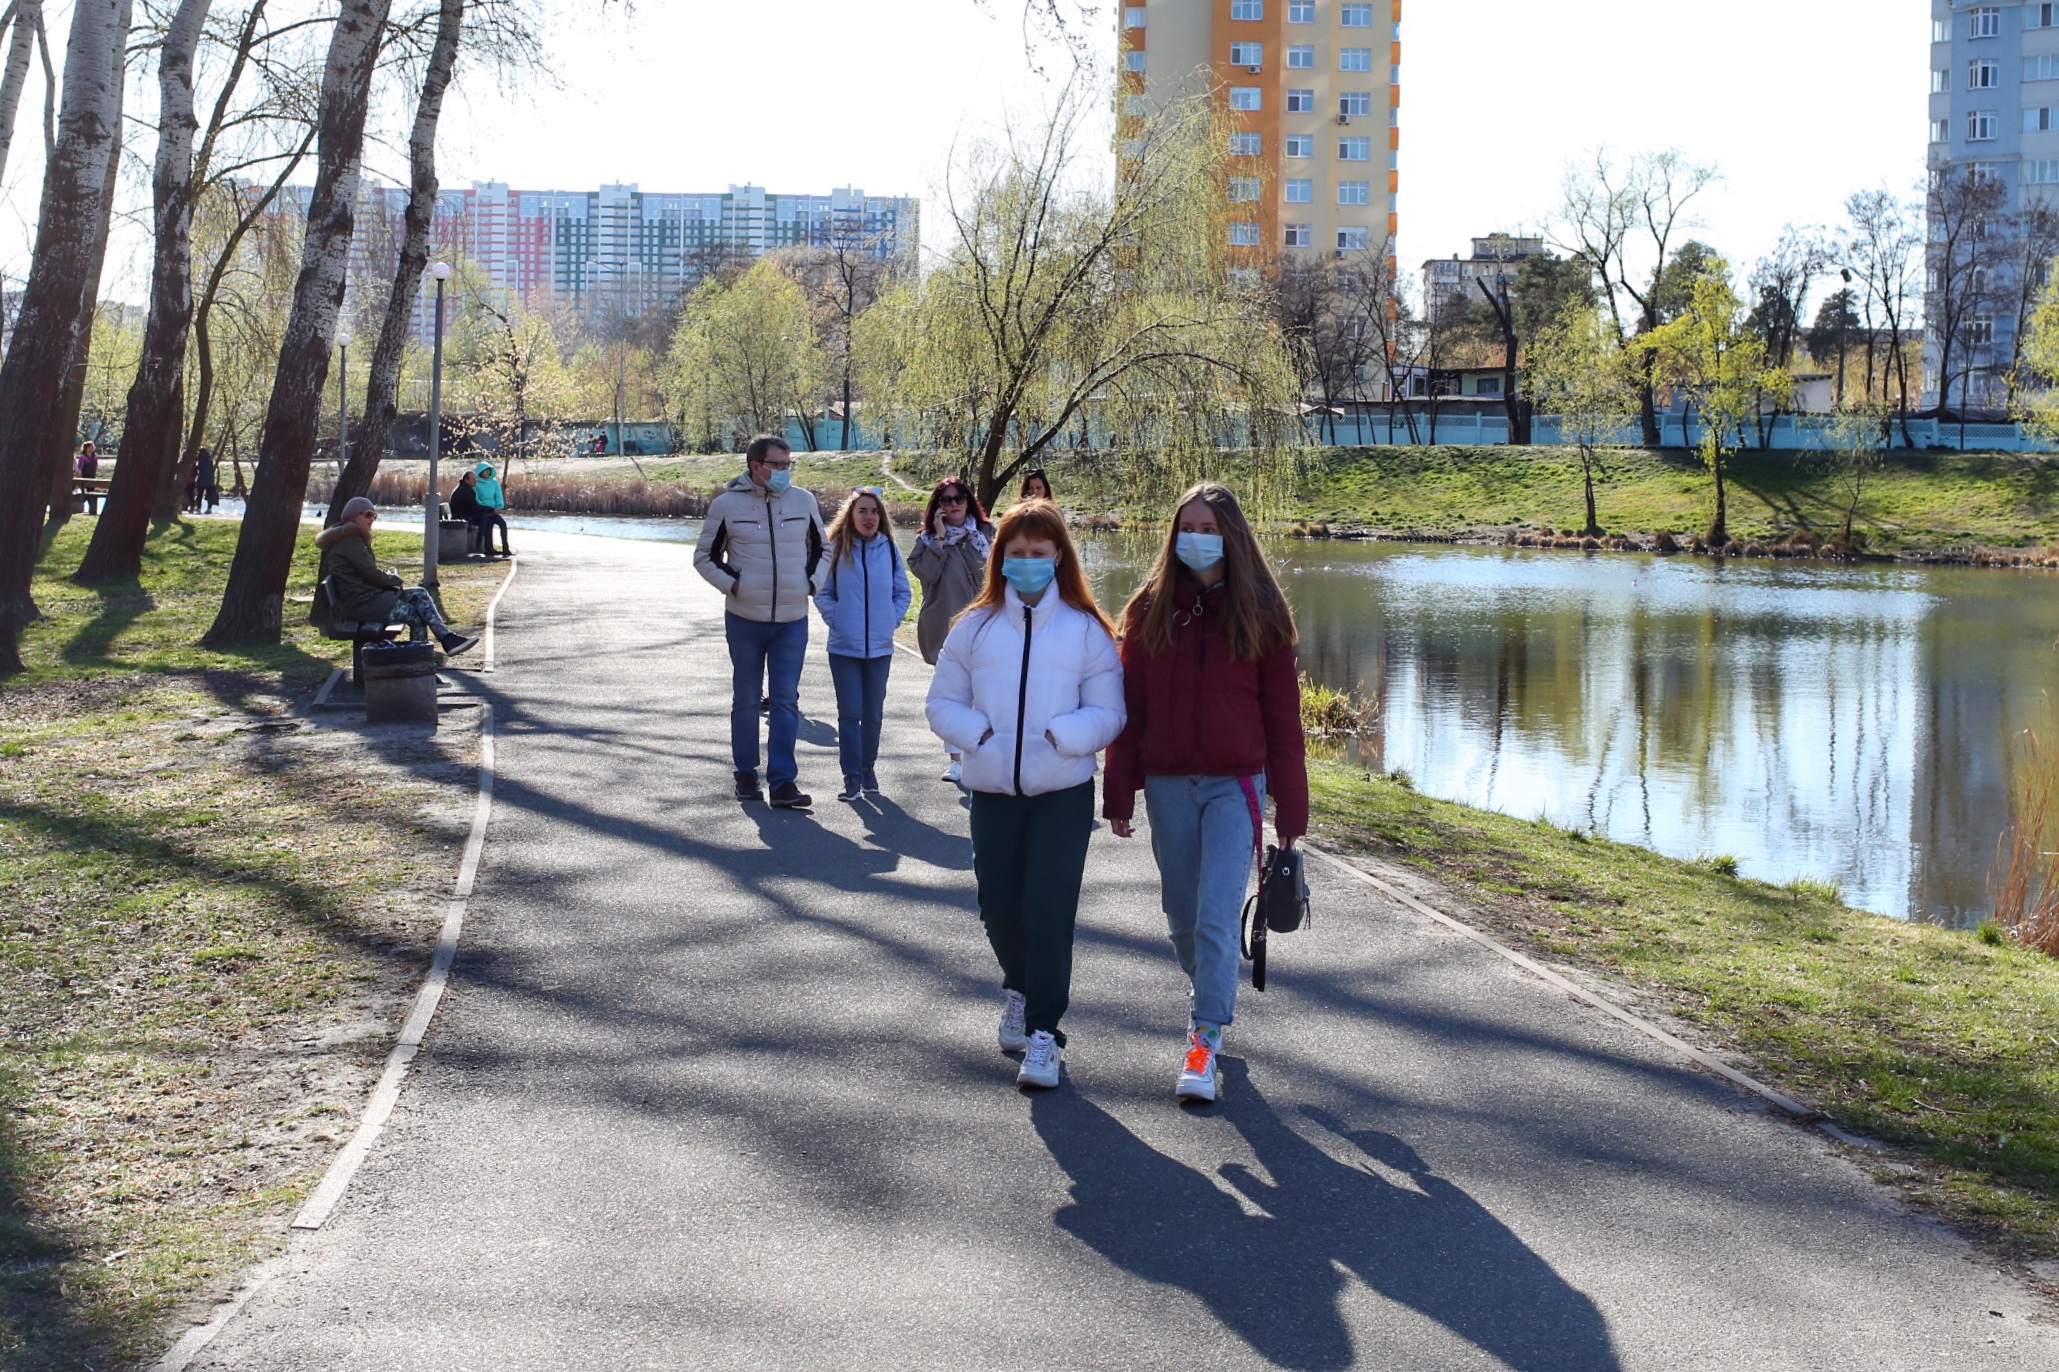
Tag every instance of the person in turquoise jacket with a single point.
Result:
(492, 500)
(864, 598)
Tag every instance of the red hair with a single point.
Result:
(1039, 519)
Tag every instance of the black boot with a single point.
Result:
(787, 796)
(455, 643)
(747, 786)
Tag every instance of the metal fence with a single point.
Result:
(1804, 433)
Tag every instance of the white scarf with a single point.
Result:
(948, 534)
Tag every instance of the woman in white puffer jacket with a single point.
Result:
(1028, 688)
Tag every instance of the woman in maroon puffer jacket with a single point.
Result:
(1214, 722)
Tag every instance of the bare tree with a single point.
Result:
(26, 17)
(1885, 247)
(1960, 255)
(151, 430)
(32, 377)
(841, 280)
(2031, 245)
(1780, 286)
(253, 602)
(57, 469)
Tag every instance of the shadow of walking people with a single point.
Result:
(1274, 1279)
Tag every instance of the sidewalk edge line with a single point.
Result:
(486, 662)
(336, 1181)
(322, 696)
(181, 1354)
(1787, 1104)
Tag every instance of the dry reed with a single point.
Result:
(2023, 885)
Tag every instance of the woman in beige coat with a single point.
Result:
(950, 560)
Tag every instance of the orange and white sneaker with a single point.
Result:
(1201, 1078)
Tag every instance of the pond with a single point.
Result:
(1849, 723)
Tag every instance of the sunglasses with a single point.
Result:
(953, 499)
(875, 492)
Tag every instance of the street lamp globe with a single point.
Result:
(344, 340)
(440, 270)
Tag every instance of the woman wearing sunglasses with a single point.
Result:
(863, 599)
(950, 560)
(1214, 706)
(1029, 688)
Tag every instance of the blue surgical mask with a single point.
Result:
(1028, 575)
(1199, 551)
(779, 479)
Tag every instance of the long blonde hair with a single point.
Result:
(1038, 519)
(843, 533)
(1255, 617)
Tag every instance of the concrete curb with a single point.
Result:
(487, 649)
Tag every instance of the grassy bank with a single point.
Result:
(211, 916)
(1941, 1043)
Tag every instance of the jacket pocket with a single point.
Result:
(989, 767)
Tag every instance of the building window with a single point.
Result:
(1301, 11)
(1300, 236)
(1133, 60)
(1981, 76)
(1985, 171)
(1301, 145)
(2041, 172)
(1301, 57)
(1133, 17)
(2039, 120)
(1354, 149)
(1940, 30)
(1136, 104)
(1132, 147)
(1354, 59)
(1985, 22)
(2040, 16)
(1358, 103)
(1980, 331)
(1351, 240)
(1984, 126)
(1300, 191)
(1244, 97)
(1487, 385)
(2044, 68)
(1247, 9)
(1243, 188)
(1354, 192)
(1941, 81)
(1247, 54)
(1247, 144)
(1301, 102)
(1244, 235)
(1940, 131)
(1355, 16)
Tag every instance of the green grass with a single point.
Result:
(1942, 1043)
(188, 891)
(817, 471)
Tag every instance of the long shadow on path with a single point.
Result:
(1273, 1279)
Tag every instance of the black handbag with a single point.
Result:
(1279, 905)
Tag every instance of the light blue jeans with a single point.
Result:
(1201, 835)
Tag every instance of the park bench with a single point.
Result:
(89, 489)
(358, 635)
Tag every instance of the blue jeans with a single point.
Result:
(757, 651)
(861, 700)
(1201, 835)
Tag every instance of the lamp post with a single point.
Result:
(432, 506)
(342, 401)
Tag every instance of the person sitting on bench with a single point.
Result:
(464, 504)
(362, 591)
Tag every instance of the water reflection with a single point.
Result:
(1831, 722)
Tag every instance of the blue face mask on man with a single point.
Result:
(1028, 575)
(778, 479)
(1199, 551)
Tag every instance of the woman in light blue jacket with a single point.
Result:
(864, 598)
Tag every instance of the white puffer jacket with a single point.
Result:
(762, 551)
(1057, 673)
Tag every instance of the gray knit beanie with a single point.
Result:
(356, 506)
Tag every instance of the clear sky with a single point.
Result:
(1800, 102)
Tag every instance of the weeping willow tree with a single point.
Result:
(1067, 312)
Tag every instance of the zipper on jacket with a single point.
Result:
(1022, 698)
(867, 563)
(772, 543)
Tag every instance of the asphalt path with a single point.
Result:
(716, 1087)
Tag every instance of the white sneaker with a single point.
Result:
(1039, 1062)
(954, 771)
(1014, 1038)
(1201, 1076)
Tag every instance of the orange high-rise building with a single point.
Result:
(1313, 88)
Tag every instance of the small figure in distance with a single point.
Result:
(864, 598)
(464, 504)
(761, 545)
(1029, 688)
(492, 500)
(1036, 486)
(365, 592)
(950, 560)
(206, 477)
(1214, 706)
(87, 466)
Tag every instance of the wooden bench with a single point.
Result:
(89, 489)
(323, 617)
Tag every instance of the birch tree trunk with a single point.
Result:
(252, 604)
(151, 430)
(28, 17)
(32, 376)
(382, 388)
(58, 469)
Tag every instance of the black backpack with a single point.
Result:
(1279, 905)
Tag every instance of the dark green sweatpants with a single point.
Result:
(1029, 853)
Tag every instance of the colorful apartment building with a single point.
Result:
(1313, 90)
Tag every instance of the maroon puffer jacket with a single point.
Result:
(1196, 711)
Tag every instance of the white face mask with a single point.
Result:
(1199, 551)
